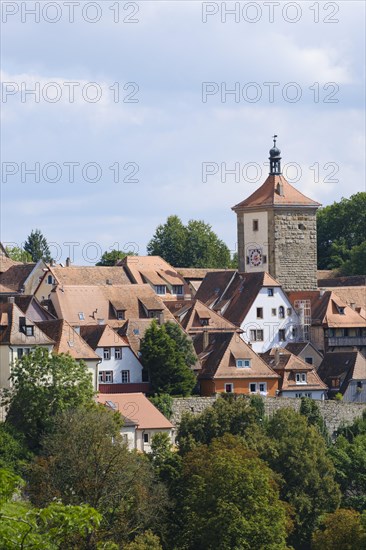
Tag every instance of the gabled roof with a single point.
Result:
(268, 195)
(345, 365)
(101, 336)
(134, 330)
(67, 340)
(218, 359)
(193, 314)
(85, 305)
(6, 263)
(16, 276)
(151, 269)
(137, 409)
(352, 295)
(287, 365)
(10, 332)
(348, 281)
(234, 294)
(89, 275)
(298, 347)
(197, 273)
(30, 306)
(326, 307)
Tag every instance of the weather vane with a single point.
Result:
(274, 140)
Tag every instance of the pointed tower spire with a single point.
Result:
(275, 159)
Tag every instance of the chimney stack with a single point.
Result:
(277, 357)
(68, 262)
(205, 339)
(161, 318)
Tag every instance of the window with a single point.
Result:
(300, 378)
(263, 387)
(274, 312)
(335, 382)
(229, 388)
(255, 225)
(309, 360)
(308, 395)
(298, 394)
(204, 322)
(289, 311)
(81, 316)
(106, 354)
(341, 310)
(154, 314)
(259, 313)
(270, 291)
(264, 259)
(106, 376)
(117, 353)
(146, 438)
(50, 280)
(120, 314)
(160, 289)
(281, 312)
(20, 353)
(282, 334)
(248, 261)
(125, 377)
(293, 332)
(178, 289)
(256, 335)
(252, 387)
(243, 363)
(29, 330)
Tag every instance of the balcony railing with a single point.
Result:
(347, 341)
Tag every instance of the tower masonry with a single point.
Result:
(277, 231)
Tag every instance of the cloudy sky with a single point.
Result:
(145, 109)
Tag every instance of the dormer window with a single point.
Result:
(177, 289)
(270, 291)
(29, 330)
(160, 289)
(120, 314)
(300, 378)
(81, 316)
(243, 363)
(50, 280)
(204, 322)
(340, 310)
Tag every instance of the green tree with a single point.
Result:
(170, 241)
(229, 499)
(145, 541)
(18, 254)
(36, 245)
(55, 527)
(111, 258)
(164, 403)
(340, 228)
(194, 245)
(299, 454)
(84, 460)
(43, 385)
(238, 416)
(356, 263)
(13, 450)
(342, 530)
(310, 409)
(165, 362)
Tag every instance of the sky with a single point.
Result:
(117, 114)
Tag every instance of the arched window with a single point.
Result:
(281, 312)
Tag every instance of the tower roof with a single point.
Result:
(275, 191)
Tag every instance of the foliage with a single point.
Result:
(349, 459)
(43, 385)
(166, 462)
(193, 245)
(310, 409)
(358, 427)
(341, 530)
(164, 403)
(229, 499)
(227, 415)
(13, 450)
(84, 460)
(18, 254)
(36, 245)
(341, 235)
(145, 541)
(54, 527)
(111, 258)
(338, 396)
(298, 453)
(167, 361)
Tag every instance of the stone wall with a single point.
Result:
(293, 249)
(335, 413)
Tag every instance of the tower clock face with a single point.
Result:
(255, 257)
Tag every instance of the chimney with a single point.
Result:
(277, 357)
(205, 339)
(280, 189)
(161, 318)
(353, 306)
(53, 263)
(108, 282)
(68, 262)
(11, 299)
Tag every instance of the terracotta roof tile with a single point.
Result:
(101, 336)
(89, 275)
(16, 275)
(138, 409)
(67, 340)
(267, 195)
(345, 365)
(10, 332)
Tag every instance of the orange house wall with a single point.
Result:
(209, 387)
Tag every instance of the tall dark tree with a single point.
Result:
(36, 245)
(341, 227)
(167, 362)
(194, 245)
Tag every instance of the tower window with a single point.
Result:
(259, 313)
(247, 260)
(255, 225)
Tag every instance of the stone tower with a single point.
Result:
(277, 231)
